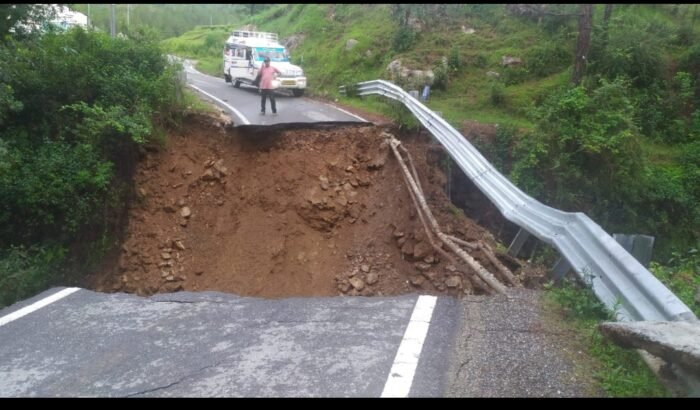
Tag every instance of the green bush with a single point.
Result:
(453, 61)
(403, 39)
(498, 96)
(634, 50)
(440, 78)
(547, 58)
(26, 271)
(682, 275)
(74, 108)
(583, 147)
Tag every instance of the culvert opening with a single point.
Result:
(294, 211)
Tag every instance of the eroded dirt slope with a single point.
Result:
(277, 213)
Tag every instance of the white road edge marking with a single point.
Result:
(347, 112)
(400, 379)
(36, 305)
(235, 111)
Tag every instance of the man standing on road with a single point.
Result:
(267, 74)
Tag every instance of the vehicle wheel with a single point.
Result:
(297, 92)
(227, 78)
(237, 84)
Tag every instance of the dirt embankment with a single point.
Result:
(278, 213)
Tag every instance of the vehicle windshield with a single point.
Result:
(275, 54)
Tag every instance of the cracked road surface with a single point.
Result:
(513, 347)
(211, 344)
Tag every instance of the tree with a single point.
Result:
(606, 19)
(584, 42)
(13, 14)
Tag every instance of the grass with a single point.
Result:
(619, 372)
(682, 276)
(661, 154)
(194, 103)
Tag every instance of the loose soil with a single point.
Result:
(273, 212)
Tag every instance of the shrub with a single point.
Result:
(403, 39)
(453, 61)
(440, 76)
(497, 93)
(547, 58)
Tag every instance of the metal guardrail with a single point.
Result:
(616, 277)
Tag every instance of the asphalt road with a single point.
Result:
(243, 103)
(210, 344)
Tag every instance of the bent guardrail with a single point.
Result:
(616, 277)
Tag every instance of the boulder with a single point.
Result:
(507, 60)
(350, 44)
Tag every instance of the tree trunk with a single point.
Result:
(606, 19)
(584, 43)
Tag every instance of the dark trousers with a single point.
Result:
(273, 104)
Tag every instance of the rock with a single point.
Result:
(343, 286)
(142, 192)
(416, 280)
(507, 60)
(364, 268)
(183, 222)
(380, 158)
(199, 272)
(357, 283)
(341, 200)
(451, 268)
(350, 44)
(293, 41)
(372, 278)
(170, 278)
(429, 259)
(165, 255)
(453, 281)
(349, 168)
(431, 275)
(169, 209)
(422, 266)
(466, 30)
(401, 241)
(179, 245)
(219, 166)
(422, 249)
(363, 180)
(492, 74)
(324, 182)
(181, 202)
(208, 175)
(185, 212)
(407, 247)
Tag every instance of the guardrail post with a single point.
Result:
(560, 268)
(640, 246)
(518, 242)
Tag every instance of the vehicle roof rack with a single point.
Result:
(255, 34)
